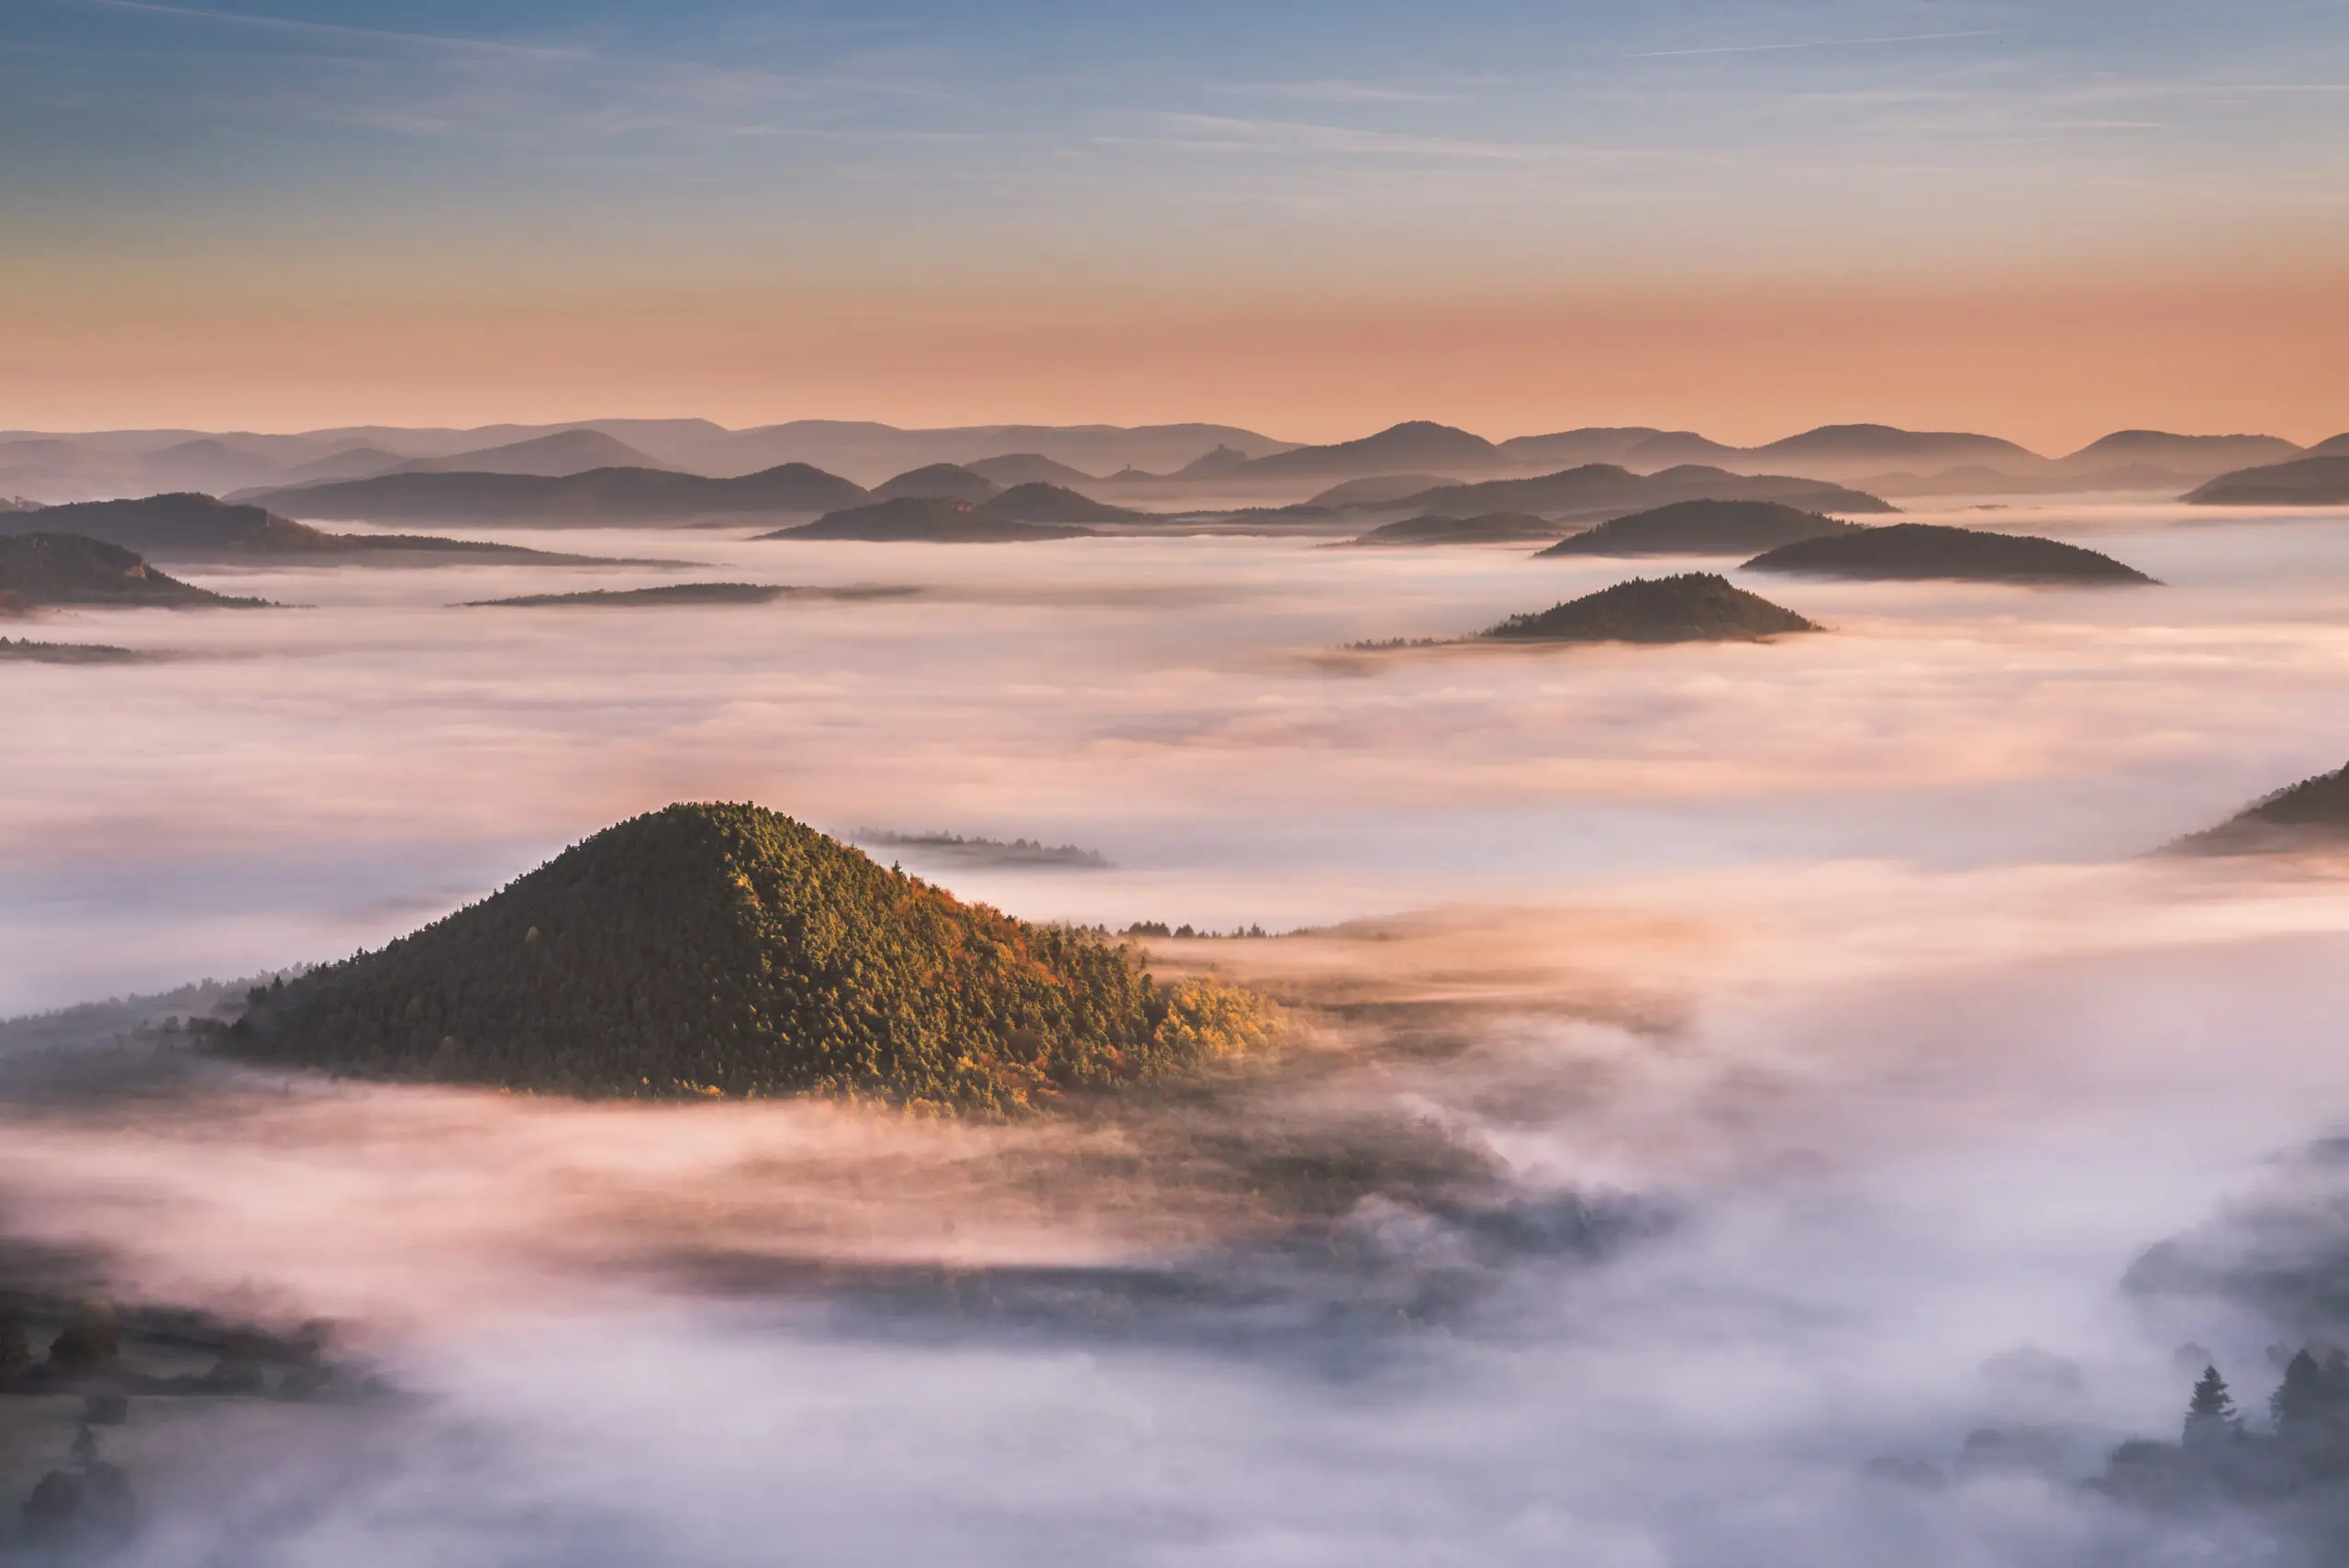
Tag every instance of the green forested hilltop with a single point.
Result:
(727, 950)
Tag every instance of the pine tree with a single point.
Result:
(2210, 1414)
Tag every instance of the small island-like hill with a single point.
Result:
(2321, 479)
(1704, 527)
(719, 950)
(2310, 815)
(688, 594)
(40, 569)
(1490, 527)
(916, 519)
(1695, 607)
(187, 525)
(1937, 552)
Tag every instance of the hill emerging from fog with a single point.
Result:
(191, 525)
(1933, 551)
(1415, 446)
(2313, 813)
(727, 950)
(916, 519)
(1703, 528)
(1695, 607)
(2321, 481)
(1027, 467)
(1493, 528)
(2183, 454)
(690, 593)
(1036, 502)
(43, 569)
(613, 495)
(551, 456)
(1600, 486)
(937, 481)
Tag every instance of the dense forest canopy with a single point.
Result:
(729, 951)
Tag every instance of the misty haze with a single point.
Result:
(1228, 786)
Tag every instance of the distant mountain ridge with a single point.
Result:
(187, 526)
(1598, 486)
(2303, 481)
(603, 495)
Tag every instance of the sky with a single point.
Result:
(2048, 220)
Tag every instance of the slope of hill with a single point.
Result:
(1026, 468)
(1381, 490)
(1599, 486)
(2304, 482)
(1702, 527)
(916, 518)
(1695, 607)
(725, 950)
(2313, 813)
(555, 456)
(603, 495)
(1416, 446)
(1844, 444)
(2181, 454)
(1933, 551)
(362, 462)
(25, 650)
(1571, 449)
(197, 526)
(1038, 503)
(38, 568)
(937, 481)
(1492, 528)
(2335, 446)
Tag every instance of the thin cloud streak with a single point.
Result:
(1816, 43)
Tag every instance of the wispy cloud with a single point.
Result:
(1814, 43)
(330, 29)
(1216, 133)
(1329, 92)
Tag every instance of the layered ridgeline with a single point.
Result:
(1704, 527)
(40, 569)
(2320, 478)
(1695, 607)
(727, 950)
(191, 527)
(2310, 815)
(1936, 552)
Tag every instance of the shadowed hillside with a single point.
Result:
(727, 950)
(615, 495)
(2313, 813)
(915, 518)
(1598, 486)
(1697, 606)
(1036, 502)
(1493, 528)
(937, 481)
(191, 525)
(2306, 482)
(1933, 551)
(68, 569)
(1703, 528)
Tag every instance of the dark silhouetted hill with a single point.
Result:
(1571, 448)
(199, 527)
(1380, 490)
(1844, 444)
(611, 496)
(1702, 527)
(1026, 468)
(2335, 446)
(1932, 551)
(1601, 487)
(553, 456)
(937, 481)
(2313, 813)
(2181, 454)
(28, 652)
(691, 593)
(913, 518)
(2305, 482)
(727, 950)
(1041, 503)
(1697, 606)
(1413, 447)
(1493, 528)
(38, 568)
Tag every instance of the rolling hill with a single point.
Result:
(1038, 503)
(188, 526)
(43, 569)
(2313, 813)
(937, 481)
(914, 518)
(1697, 606)
(1416, 446)
(1027, 467)
(725, 950)
(1600, 486)
(1702, 527)
(554, 456)
(1493, 528)
(2304, 482)
(1931, 551)
(2180, 454)
(610, 496)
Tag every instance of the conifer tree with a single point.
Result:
(2210, 1413)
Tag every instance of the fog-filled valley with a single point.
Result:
(1741, 1102)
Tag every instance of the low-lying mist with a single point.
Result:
(1716, 1072)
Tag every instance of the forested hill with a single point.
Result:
(727, 950)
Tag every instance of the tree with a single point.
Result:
(2210, 1414)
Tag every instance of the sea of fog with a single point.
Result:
(1717, 1068)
